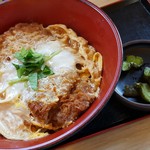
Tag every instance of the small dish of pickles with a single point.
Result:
(133, 87)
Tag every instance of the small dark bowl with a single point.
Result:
(138, 48)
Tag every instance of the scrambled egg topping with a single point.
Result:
(29, 110)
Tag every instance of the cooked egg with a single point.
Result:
(62, 62)
(61, 97)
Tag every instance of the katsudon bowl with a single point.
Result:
(87, 21)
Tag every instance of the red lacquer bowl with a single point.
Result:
(86, 20)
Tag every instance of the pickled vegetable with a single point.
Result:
(144, 90)
(147, 74)
(126, 66)
(140, 88)
(130, 91)
(135, 61)
(132, 61)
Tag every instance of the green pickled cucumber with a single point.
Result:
(136, 61)
(144, 90)
(147, 74)
(126, 66)
(132, 61)
(130, 91)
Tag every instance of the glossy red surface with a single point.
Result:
(89, 22)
